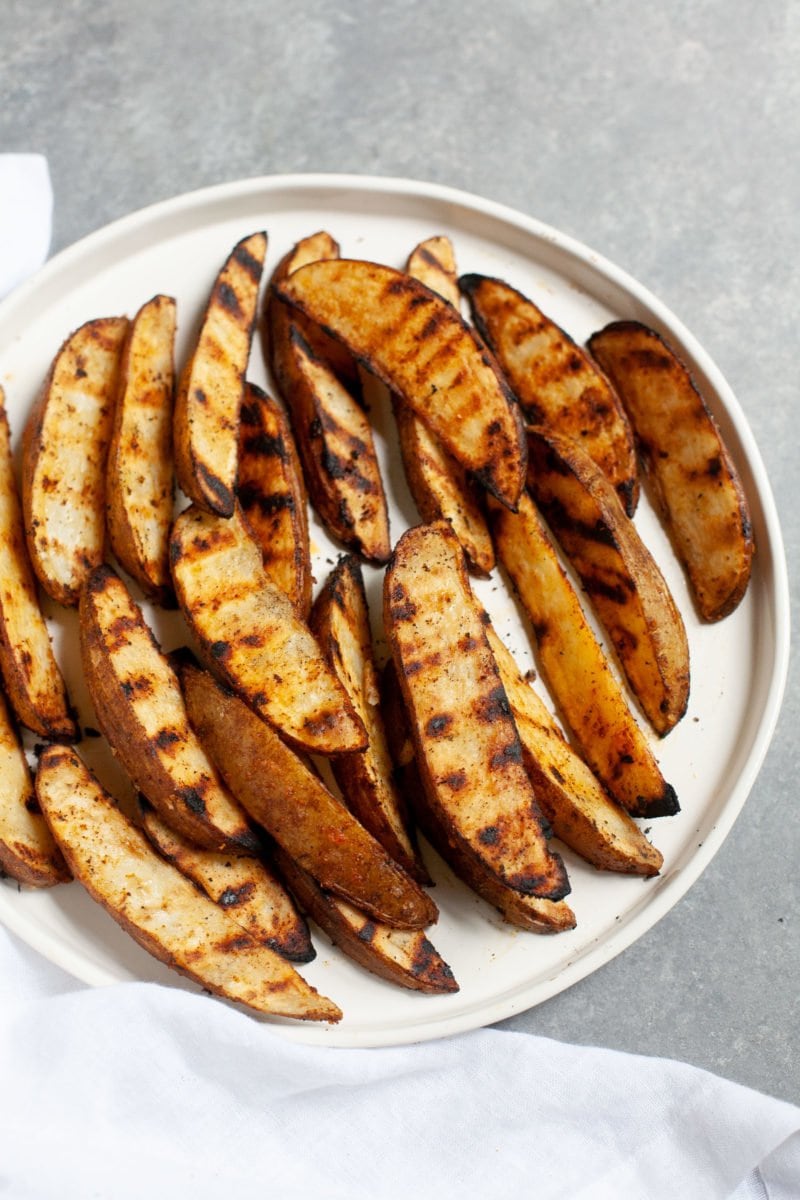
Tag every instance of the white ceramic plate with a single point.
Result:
(738, 666)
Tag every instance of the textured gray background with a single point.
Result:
(664, 135)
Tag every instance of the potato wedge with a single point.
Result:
(250, 635)
(575, 667)
(278, 318)
(165, 913)
(140, 476)
(272, 496)
(555, 381)
(64, 452)
(402, 956)
(140, 709)
(28, 852)
(289, 800)
(335, 442)
(433, 262)
(31, 675)
(340, 620)
(525, 912)
(618, 573)
(439, 485)
(242, 885)
(421, 348)
(695, 482)
(206, 422)
(579, 811)
(319, 381)
(468, 749)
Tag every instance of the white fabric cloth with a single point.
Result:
(26, 217)
(138, 1090)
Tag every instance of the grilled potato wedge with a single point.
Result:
(556, 383)
(340, 620)
(433, 262)
(337, 449)
(439, 485)
(525, 912)
(278, 318)
(140, 709)
(694, 479)
(320, 384)
(468, 749)
(140, 485)
(165, 913)
(30, 672)
(242, 885)
(421, 348)
(272, 496)
(289, 800)
(402, 956)
(206, 423)
(64, 452)
(618, 573)
(28, 852)
(575, 668)
(579, 811)
(250, 635)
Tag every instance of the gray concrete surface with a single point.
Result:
(665, 135)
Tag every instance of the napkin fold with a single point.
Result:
(140, 1090)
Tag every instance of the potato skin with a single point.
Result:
(468, 749)
(524, 912)
(140, 475)
(554, 380)
(694, 479)
(272, 496)
(289, 800)
(421, 348)
(64, 452)
(401, 956)
(618, 573)
(340, 620)
(166, 914)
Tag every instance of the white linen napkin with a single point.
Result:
(140, 1090)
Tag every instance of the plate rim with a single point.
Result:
(775, 573)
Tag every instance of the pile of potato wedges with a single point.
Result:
(293, 759)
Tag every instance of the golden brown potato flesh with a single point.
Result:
(525, 912)
(250, 635)
(289, 800)
(402, 956)
(64, 452)
(340, 620)
(272, 496)
(555, 381)
(695, 482)
(579, 811)
(468, 749)
(575, 668)
(140, 483)
(439, 485)
(421, 348)
(242, 885)
(319, 381)
(140, 709)
(28, 852)
(278, 318)
(618, 573)
(31, 675)
(165, 913)
(337, 449)
(206, 424)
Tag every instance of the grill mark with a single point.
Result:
(247, 262)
